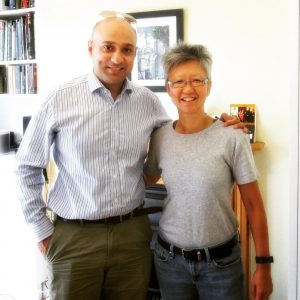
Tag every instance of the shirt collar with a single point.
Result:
(95, 84)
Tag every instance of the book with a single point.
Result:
(25, 3)
(3, 80)
(29, 33)
(2, 39)
(247, 114)
(9, 40)
(31, 79)
(4, 4)
(12, 4)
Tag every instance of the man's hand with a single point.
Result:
(233, 120)
(43, 245)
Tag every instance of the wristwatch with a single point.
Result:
(264, 259)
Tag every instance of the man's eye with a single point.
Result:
(106, 48)
(128, 50)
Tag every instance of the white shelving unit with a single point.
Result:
(16, 67)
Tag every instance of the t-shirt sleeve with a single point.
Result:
(244, 168)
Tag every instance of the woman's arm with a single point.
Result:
(261, 283)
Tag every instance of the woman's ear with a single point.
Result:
(208, 87)
(167, 88)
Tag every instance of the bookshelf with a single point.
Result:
(18, 67)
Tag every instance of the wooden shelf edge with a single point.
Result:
(257, 146)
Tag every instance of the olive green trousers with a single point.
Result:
(100, 262)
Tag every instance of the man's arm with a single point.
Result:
(234, 121)
(32, 157)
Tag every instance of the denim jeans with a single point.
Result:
(216, 279)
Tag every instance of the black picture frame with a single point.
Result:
(157, 31)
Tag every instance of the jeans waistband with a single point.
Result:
(200, 254)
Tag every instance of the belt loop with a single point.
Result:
(171, 251)
(121, 218)
(199, 255)
(81, 222)
(208, 260)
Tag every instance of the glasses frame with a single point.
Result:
(185, 82)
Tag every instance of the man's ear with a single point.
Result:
(90, 47)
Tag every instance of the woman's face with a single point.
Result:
(190, 96)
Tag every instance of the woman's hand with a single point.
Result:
(261, 283)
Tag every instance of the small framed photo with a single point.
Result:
(157, 31)
(247, 114)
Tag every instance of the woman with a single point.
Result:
(197, 253)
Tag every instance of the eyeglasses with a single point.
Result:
(111, 14)
(183, 83)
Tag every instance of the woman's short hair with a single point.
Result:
(184, 52)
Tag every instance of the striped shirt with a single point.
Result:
(99, 146)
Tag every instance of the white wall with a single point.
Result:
(251, 43)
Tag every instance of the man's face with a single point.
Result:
(113, 49)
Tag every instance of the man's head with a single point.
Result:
(112, 48)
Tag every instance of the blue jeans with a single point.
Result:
(217, 279)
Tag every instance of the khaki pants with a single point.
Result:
(96, 261)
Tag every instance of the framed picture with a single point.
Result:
(157, 31)
(247, 115)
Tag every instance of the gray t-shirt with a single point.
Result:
(199, 171)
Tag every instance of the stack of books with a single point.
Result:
(16, 4)
(17, 38)
(18, 79)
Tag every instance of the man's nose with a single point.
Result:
(117, 57)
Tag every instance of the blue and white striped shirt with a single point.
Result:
(99, 146)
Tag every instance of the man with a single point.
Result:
(99, 127)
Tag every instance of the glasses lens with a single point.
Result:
(183, 83)
(197, 82)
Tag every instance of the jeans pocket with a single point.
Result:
(161, 253)
(230, 260)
